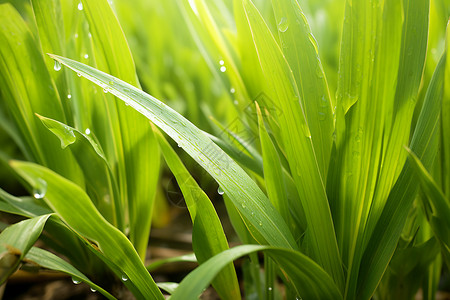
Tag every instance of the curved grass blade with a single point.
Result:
(50, 261)
(169, 287)
(73, 205)
(439, 217)
(243, 191)
(134, 145)
(309, 280)
(182, 258)
(208, 237)
(301, 51)
(16, 241)
(383, 239)
(299, 148)
(27, 88)
(100, 182)
(273, 173)
(25, 206)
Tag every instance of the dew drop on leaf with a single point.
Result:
(86, 56)
(78, 74)
(40, 188)
(80, 6)
(87, 131)
(124, 277)
(220, 191)
(221, 62)
(223, 69)
(75, 280)
(69, 96)
(105, 91)
(93, 290)
(232, 90)
(283, 24)
(57, 66)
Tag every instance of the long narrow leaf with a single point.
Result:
(245, 194)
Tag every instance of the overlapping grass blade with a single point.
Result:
(73, 205)
(439, 208)
(208, 237)
(383, 239)
(245, 194)
(298, 146)
(50, 261)
(100, 182)
(309, 280)
(300, 50)
(16, 241)
(273, 172)
(134, 143)
(28, 89)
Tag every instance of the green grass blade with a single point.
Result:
(134, 143)
(73, 205)
(383, 239)
(25, 206)
(182, 258)
(208, 237)
(273, 172)
(100, 182)
(50, 261)
(445, 119)
(244, 193)
(300, 50)
(16, 241)
(28, 89)
(435, 198)
(298, 145)
(309, 280)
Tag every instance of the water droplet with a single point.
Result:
(57, 66)
(124, 277)
(220, 191)
(40, 188)
(69, 96)
(232, 90)
(323, 101)
(86, 56)
(223, 69)
(260, 223)
(93, 290)
(283, 24)
(105, 91)
(243, 205)
(76, 35)
(235, 102)
(78, 74)
(80, 6)
(89, 35)
(221, 62)
(269, 288)
(76, 280)
(87, 131)
(306, 130)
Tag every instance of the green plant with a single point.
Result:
(326, 189)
